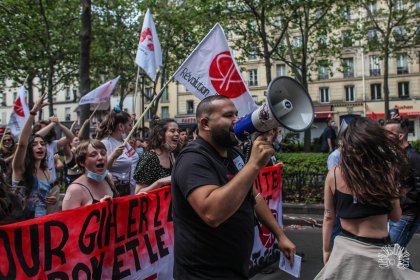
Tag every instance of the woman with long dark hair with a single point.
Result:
(30, 171)
(155, 166)
(364, 191)
(122, 159)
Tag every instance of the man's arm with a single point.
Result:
(215, 204)
(265, 216)
(67, 133)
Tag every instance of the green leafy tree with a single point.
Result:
(181, 25)
(312, 39)
(40, 42)
(390, 29)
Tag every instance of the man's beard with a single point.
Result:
(223, 138)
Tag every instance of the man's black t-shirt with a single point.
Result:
(329, 132)
(201, 251)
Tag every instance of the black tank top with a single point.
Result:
(347, 206)
(114, 194)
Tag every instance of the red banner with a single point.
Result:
(129, 237)
(269, 184)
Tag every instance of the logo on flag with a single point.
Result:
(147, 35)
(101, 93)
(149, 53)
(211, 69)
(20, 113)
(224, 76)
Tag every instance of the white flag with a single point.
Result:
(20, 113)
(149, 53)
(101, 93)
(211, 69)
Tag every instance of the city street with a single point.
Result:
(309, 242)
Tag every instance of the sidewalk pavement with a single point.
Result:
(302, 215)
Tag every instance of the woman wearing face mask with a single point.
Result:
(31, 178)
(122, 159)
(155, 166)
(95, 184)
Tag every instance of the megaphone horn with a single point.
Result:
(288, 105)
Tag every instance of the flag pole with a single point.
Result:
(138, 121)
(135, 91)
(94, 111)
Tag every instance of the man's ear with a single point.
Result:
(204, 123)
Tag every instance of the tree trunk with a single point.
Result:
(50, 90)
(85, 39)
(386, 86)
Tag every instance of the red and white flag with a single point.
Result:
(20, 113)
(149, 53)
(101, 93)
(211, 69)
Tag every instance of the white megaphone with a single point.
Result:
(288, 105)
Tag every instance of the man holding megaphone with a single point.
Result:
(214, 200)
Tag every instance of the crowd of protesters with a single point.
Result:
(362, 194)
(35, 167)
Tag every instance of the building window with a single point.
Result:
(374, 68)
(323, 70)
(149, 115)
(399, 5)
(324, 95)
(164, 112)
(277, 21)
(372, 8)
(252, 54)
(3, 99)
(400, 33)
(67, 113)
(348, 68)
(375, 92)
(280, 70)
(165, 95)
(403, 89)
(190, 106)
(148, 92)
(67, 92)
(323, 41)
(55, 111)
(253, 77)
(297, 41)
(14, 96)
(373, 35)
(402, 63)
(346, 13)
(349, 93)
(347, 38)
(418, 5)
(74, 94)
(255, 98)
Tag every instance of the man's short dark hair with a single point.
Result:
(204, 107)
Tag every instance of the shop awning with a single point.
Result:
(323, 111)
(375, 116)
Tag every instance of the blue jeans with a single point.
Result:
(402, 231)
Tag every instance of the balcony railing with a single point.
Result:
(375, 72)
(402, 70)
(323, 76)
(348, 74)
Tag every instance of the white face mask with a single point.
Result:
(333, 124)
